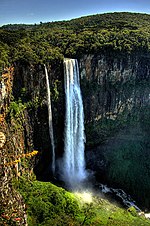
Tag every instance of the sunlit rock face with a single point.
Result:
(3, 91)
(2, 139)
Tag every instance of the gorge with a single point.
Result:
(113, 73)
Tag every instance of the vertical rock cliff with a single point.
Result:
(30, 87)
(115, 89)
(116, 95)
(12, 147)
(111, 83)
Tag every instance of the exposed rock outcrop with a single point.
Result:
(2, 139)
(111, 84)
(11, 146)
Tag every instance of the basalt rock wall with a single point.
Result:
(115, 90)
(116, 96)
(30, 86)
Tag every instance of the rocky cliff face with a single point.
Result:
(116, 95)
(111, 83)
(12, 147)
(115, 91)
(30, 85)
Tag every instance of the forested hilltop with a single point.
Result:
(51, 41)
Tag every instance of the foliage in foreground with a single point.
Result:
(48, 205)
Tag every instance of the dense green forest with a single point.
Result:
(50, 41)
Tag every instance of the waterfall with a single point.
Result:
(74, 138)
(50, 120)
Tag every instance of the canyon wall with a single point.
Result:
(116, 91)
(116, 95)
(30, 86)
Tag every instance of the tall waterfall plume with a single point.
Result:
(74, 138)
(50, 121)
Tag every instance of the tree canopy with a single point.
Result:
(50, 41)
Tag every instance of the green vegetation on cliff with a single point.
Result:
(48, 205)
(51, 41)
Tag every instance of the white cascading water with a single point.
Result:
(50, 121)
(74, 138)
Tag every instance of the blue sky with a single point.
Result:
(36, 11)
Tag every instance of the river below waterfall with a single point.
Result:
(119, 195)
